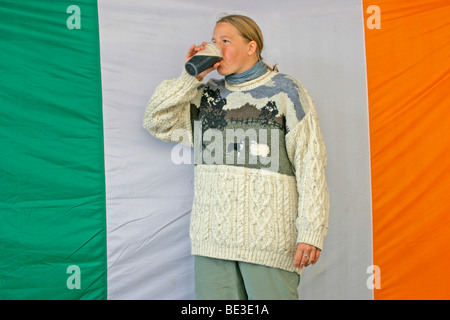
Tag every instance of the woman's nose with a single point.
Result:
(221, 47)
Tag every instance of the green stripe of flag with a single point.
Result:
(52, 184)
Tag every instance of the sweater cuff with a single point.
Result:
(189, 79)
(315, 239)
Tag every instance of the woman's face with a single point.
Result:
(238, 53)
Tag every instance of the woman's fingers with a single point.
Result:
(306, 254)
(316, 256)
(194, 49)
(190, 53)
(306, 258)
(204, 73)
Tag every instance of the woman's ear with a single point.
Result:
(252, 45)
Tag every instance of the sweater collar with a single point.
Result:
(254, 72)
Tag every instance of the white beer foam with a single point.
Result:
(211, 49)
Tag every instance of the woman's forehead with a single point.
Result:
(225, 29)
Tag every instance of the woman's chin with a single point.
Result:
(222, 71)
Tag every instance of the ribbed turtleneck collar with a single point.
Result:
(254, 72)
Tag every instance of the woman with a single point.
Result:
(261, 206)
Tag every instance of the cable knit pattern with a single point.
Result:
(168, 109)
(252, 215)
(306, 149)
(244, 211)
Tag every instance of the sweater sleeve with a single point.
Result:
(306, 150)
(168, 112)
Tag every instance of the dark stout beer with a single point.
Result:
(204, 59)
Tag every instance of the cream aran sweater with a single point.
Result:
(259, 176)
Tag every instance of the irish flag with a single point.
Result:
(93, 207)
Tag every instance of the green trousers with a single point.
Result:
(217, 279)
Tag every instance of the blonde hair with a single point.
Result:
(249, 30)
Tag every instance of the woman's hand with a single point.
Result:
(306, 255)
(192, 52)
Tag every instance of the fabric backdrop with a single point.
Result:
(93, 207)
